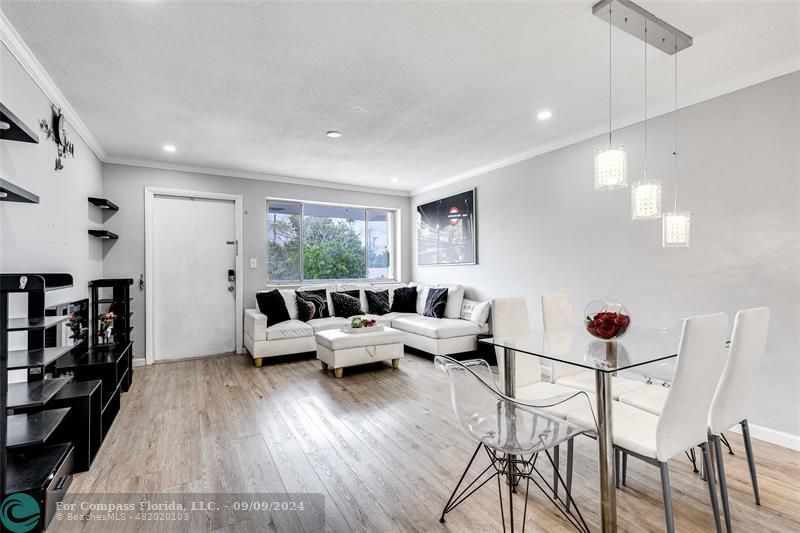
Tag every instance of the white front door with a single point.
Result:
(193, 300)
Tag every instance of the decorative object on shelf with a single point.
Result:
(606, 320)
(645, 194)
(107, 325)
(675, 225)
(58, 132)
(611, 164)
(446, 231)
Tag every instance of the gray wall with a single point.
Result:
(125, 186)
(542, 228)
(51, 236)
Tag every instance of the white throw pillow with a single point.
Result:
(290, 298)
(455, 297)
(422, 296)
(477, 312)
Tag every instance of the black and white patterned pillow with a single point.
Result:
(378, 302)
(346, 305)
(405, 300)
(436, 302)
(318, 298)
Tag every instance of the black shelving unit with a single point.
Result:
(28, 422)
(103, 203)
(107, 358)
(103, 234)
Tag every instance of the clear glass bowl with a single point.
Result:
(606, 320)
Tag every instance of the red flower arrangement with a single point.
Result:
(606, 321)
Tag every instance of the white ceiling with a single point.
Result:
(422, 92)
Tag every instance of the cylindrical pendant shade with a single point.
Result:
(646, 200)
(610, 169)
(676, 229)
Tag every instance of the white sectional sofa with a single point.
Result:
(439, 336)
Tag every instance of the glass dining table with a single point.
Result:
(638, 347)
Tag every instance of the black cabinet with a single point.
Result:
(83, 426)
(108, 364)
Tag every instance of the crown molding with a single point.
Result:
(12, 40)
(212, 171)
(760, 76)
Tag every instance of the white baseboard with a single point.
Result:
(138, 361)
(773, 436)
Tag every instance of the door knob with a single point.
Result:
(230, 288)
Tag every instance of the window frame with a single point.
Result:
(394, 239)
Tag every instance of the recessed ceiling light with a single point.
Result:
(333, 134)
(4, 125)
(544, 115)
(169, 148)
(395, 180)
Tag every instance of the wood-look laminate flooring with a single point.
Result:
(382, 446)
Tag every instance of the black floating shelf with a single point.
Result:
(31, 469)
(17, 130)
(21, 359)
(26, 324)
(11, 193)
(103, 203)
(103, 234)
(34, 393)
(33, 428)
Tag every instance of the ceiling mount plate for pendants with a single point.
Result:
(630, 18)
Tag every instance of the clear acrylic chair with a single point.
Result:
(513, 433)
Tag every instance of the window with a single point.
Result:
(313, 242)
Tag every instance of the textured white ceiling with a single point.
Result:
(422, 92)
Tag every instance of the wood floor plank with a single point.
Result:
(382, 447)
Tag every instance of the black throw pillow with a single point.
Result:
(305, 310)
(378, 302)
(436, 302)
(405, 300)
(319, 299)
(272, 304)
(345, 304)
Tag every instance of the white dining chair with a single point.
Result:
(733, 396)
(557, 316)
(683, 423)
(510, 319)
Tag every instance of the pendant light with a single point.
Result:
(610, 165)
(645, 194)
(676, 225)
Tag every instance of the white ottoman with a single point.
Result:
(337, 349)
